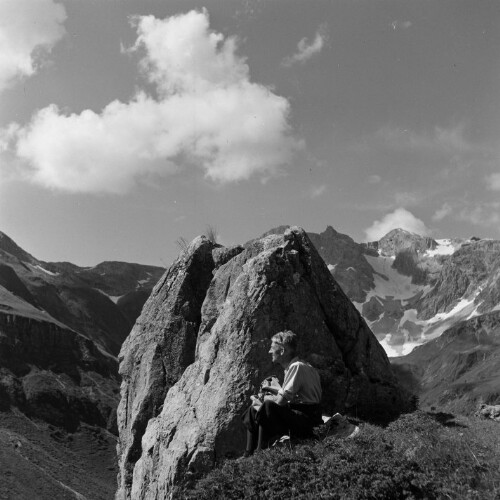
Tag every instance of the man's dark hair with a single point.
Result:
(286, 338)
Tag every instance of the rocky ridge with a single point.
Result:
(459, 370)
(101, 302)
(54, 374)
(59, 328)
(410, 288)
(399, 239)
(200, 348)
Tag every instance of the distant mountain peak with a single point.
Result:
(400, 239)
(9, 246)
(400, 231)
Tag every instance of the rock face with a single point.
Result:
(200, 349)
(100, 302)
(458, 370)
(409, 288)
(472, 272)
(399, 239)
(162, 344)
(351, 268)
(489, 411)
(54, 374)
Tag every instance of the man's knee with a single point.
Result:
(271, 412)
(269, 404)
(271, 408)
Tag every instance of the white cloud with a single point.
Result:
(400, 218)
(307, 49)
(207, 113)
(442, 212)
(28, 28)
(493, 182)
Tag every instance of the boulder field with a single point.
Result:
(200, 349)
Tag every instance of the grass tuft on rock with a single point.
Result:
(421, 455)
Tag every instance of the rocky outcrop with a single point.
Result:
(351, 267)
(471, 272)
(345, 259)
(162, 344)
(459, 369)
(10, 248)
(491, 412)
(101, 302)
(411, 288)
(398, 239)
(55, 374)
(200, 349)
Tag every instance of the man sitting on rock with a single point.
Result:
(292, 409)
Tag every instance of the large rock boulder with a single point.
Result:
(200, 349)
(489, 411)
(162, 344)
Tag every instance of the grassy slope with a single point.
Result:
(39, 461)
(418, 456)
(11, 304)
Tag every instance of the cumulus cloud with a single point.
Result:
(206, 112)
(28, 29)
(493, 181)
(400, 218)
(307, 49)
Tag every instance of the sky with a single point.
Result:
(126, 125)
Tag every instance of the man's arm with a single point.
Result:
(278, 399)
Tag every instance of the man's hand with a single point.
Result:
(277, 398)
(256, 402)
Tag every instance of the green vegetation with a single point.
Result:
(182, 243)
(212, 234)
(421, 455)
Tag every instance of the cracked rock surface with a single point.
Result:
(200, 349)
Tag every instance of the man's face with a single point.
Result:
(276, 351)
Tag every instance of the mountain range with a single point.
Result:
(61, 330)
(411, 288)
(433, 304)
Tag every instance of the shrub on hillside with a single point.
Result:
(414, 457)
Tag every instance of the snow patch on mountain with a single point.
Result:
(40, 268)
(113, 298)
(394, 351)
(463, 305)
(388, 282)
(444, 247)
